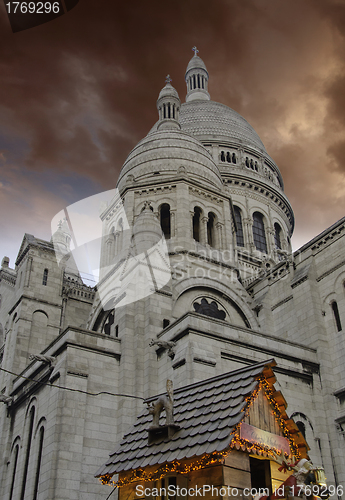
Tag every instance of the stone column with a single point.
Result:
(203, 230)
(219, 227)
(172, 223)
(248, 233)
(271, 246)
(191, 220)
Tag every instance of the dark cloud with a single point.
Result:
(78, 93)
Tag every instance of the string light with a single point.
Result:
(218, 457)
(175, 466)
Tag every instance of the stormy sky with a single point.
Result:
(76, 95)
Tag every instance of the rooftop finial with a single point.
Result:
(168, 79)
(195, 50)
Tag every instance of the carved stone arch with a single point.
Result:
(41, 311)
(331, 297)
(13, 462)
(241, 206)
(208, 302)
(99, 321)
(230, 294)
(310, 436)
(165, 197)
(42, 422)
(33, 402)
(339, 284)
(38, 330)
(17, 440)
(140, 207)
(332, 311)
(210, 297)
(263, 212)
(197, 202)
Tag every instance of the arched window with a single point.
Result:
(277, 232)
(39, 460)
(247, 162)
(27, 454)
(14, 470)
(222, 156)
(228, 157)
(259, 232)
(301, 427)
(196, 223)
(45, 277)
(336, 315)
(165, 220)
(234, 158)
(239, 227)
(107, 326)
(210, 229)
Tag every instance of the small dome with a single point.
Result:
(168, 91)
(164, 154)
(196, 63)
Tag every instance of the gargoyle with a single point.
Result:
(165, 402)
(6, 399)
(169, 346)
(51, 360)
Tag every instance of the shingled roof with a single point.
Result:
(206, 412)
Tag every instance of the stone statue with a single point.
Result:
(165, 402)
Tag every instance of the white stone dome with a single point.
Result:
(168, 91)
(196, 63)
(165, 154)
(210, 120)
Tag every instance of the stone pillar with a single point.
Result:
(248, 233)
(172, 223)
(271, 246)
(109, 252)
(219, 227)
(203, 230)
(191, 220)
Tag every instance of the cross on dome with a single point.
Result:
(195, 50)
(168, 79)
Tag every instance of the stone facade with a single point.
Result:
(237, 295)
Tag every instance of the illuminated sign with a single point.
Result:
(264, 438)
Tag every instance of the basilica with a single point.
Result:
(197, 279)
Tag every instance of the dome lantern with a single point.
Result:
(168, 105)
(197, 79)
